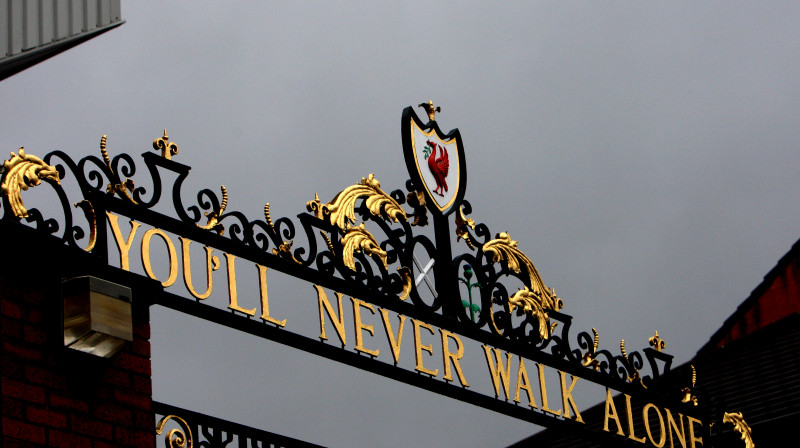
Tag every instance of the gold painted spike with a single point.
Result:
(504, 248)
(214, 216)
(687, 392)
(405, 273)
(635, 378)
(167, 148)
(20, 172)
(531, 303)
(328, 241)
(123, 189)
(285, 251)
(657, 343)
(462, 222)
(176, 438)
(88, 211)
(267, 218)
(588, 357)
(430, 109)
(737, 420)
(358, 239)
(342, 208)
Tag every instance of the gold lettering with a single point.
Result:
(452, 357)
(262, 287)
(394, 343)
(499, 374)
(124, 245)
(419, 347)
(523, 383)
(692, 437)
(173, 257)
(566, 397)
(663, 439)
(357, 304)
(611, 411)
(543, 390)
(672, 425)
(338, 324)
(212, 264)
(233, 300)
(631, 434)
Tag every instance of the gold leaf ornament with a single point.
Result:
(358, 239)
(462, 223)
(20, 172)
(737, 420)
(342, 208)
(532, 304)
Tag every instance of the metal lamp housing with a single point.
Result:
(97, 316)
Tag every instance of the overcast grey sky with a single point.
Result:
(644, 155)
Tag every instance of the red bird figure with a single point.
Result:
(439, 168)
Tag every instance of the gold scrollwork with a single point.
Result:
(358, 239)
(405, 273)
(214, 216)
(535, 305)
(123, 189)
(176, 438)
(88, 211)
(736, 419)
(687, 392)
(462, 222)
(588, 359)
(342, 208)
(167, 148)
(20, 172)
(635, 378)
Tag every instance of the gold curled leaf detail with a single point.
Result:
(416, 199)
(588, 359)
(214, 216)
(20, 172)
(462, 222)
(88, 211)
(167, 148)
(358, 239)
(285, 251)
(176, 438)
(535, 306)
(123, 189)
(504, 248)
(737, 420)
(342, 208)
(657, 343)
(405, 273)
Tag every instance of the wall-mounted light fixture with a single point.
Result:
(97, 316)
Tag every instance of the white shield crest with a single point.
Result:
(437, 164)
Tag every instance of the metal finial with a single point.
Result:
(430, 109)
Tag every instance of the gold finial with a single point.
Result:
(168, 149)
(430, 109)
(657, 343)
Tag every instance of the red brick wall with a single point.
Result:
(51, 397)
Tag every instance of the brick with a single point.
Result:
(62, 439)
(10, 309)
(114, 414)
(143, 384)
(38, 375)
(46, 417)
(10, 368)
(91, 427)
(22, 351)
(142, 330)
(101, 444)
(35, 335)
(116, 377)
(11, 327)
(13, 408)
(23, 431)
(33, 316)
(139, 439)
(141, 347)
(133, 363)
(64, 402)
(34, 294)
(23, 391)
(140, 401)
(143, 420)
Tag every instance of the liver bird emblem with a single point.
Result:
(439, 167)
